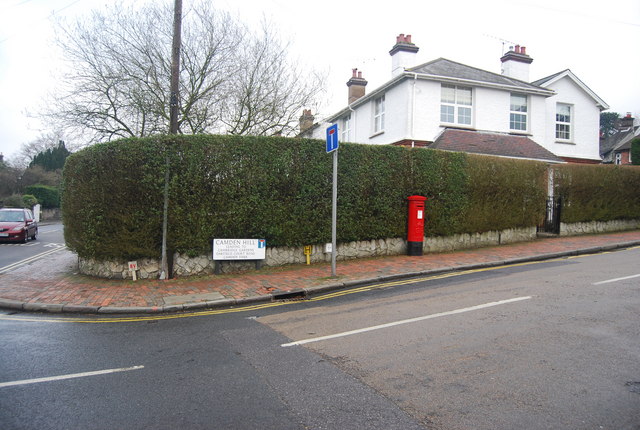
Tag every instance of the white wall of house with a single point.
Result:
(426, 121)
(585, 119)
(412, 112)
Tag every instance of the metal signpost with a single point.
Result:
(332, 146)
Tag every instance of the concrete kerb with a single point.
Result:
(307, 292)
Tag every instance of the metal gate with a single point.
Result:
(552, 216)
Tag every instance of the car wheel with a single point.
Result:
(35, 235)
(26, 236)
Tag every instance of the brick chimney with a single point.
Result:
(515, 63)
(402, 54)
(624, 123)
(356, 86)
(306, 120)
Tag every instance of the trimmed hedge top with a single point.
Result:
(280, 189)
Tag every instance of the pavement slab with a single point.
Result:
(53, 284)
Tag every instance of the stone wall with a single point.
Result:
(579, 228)
(184, 266)
(477, 240)
(50, 214)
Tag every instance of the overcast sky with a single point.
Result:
(598, 40)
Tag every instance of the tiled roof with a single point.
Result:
(618, 141)
(548, 78)
(497, 144)
(451, 69)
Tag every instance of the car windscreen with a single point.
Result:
(11, 216)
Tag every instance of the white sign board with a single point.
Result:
(239, 249)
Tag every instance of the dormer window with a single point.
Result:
(456, 105)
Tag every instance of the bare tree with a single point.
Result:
(270, 91)
(120, 65)
(28, 151)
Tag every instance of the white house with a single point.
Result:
(447, 105)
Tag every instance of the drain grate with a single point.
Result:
(289, 295)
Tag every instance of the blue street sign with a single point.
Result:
(332, 138)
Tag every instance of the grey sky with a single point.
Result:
(597, 40)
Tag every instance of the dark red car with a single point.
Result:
(17, 225)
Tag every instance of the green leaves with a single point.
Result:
(598, 192)
(280, 189)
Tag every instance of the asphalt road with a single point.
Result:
(563, 351)
(534, 346)
(50, 238)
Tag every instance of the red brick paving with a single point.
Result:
(53, 281)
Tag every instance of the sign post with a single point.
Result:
(332, 146)
(133, 266)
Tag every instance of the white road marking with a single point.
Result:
(70, 376)
(407, 321)
(616, 279)
(30, 259)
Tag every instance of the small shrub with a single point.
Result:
(13, 201)
(29, 200)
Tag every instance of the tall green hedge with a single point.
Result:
(48, 196)
(280, 189)
(598, 192)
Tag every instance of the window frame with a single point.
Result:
(618, 158)
(379, 114)
(522, 114)
(565, 124)
(345, 135)
(455, 105)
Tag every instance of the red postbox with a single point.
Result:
(415, 234)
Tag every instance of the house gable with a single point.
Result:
(567, 73)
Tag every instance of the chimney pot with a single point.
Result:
(402, 54)
(356, 86)
(306, 121)
(515, 63)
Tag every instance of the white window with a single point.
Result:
(346, 129)
(456, 105)
(618, 158)
(378, 115)
(518, 112)
(563, 121)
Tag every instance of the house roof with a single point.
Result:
(443, 68)
(545, 82)
(491, 143)
(618, 142)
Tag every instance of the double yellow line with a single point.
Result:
(104, 320)
(346, 292)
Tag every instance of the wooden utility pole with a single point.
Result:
(175, 67)
(173, 125)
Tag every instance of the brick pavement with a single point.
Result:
(51, 284)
